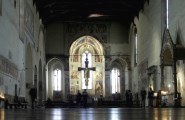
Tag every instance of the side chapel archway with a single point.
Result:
(77, 49)
(124, 83)
(52, 65)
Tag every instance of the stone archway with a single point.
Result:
(41, 41)
(53, 64)
(125, 83)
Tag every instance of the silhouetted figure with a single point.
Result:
(33, 95)
(150, 97)
(70, 100)
(78, 98)
(130, 98)
(158, 98)
(113, 97)
(84, 97)
(101, 99)
(117, 96)
(143, 97)
(6, 104)
(48, 102)
(179, 99)
(127, 97)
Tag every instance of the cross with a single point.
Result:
(86, 70)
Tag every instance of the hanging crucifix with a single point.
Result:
(86, 70)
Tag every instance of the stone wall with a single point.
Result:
(148, 25)
(111, 35)
(14, 41)
(149, 28)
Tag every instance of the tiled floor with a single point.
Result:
(93, 114)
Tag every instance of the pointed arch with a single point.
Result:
(76, 51)
(133, 38)
(167, 49)
(41, 40)
(51, 66)
(121, 67)
(89, 42)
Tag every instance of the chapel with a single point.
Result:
(106, 47)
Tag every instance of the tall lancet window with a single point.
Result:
(89, 57)
(57, 80)
(167, 24)
(135, 47)
(165, 13)
(115, 78)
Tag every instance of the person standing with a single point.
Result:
(127, 97)
(159, 97)
(143, 97)
(33, 96)
(78, 98)
(150, 97)
(84, 96)
(130, 98)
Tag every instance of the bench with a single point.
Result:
(11, 105)
(15, 105)
(15, 102)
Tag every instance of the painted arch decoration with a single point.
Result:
(77, 49)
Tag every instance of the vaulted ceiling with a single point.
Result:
(80, 10)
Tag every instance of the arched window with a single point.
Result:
(167, 22)
(165, 13)
(57, 80)
(89, 57)
(135, 47)
(115, 78)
